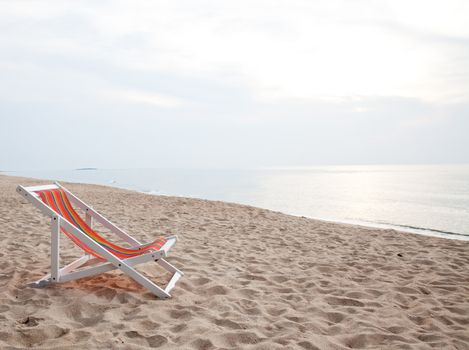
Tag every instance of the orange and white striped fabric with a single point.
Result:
(58, 201)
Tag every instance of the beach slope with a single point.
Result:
(255, 279)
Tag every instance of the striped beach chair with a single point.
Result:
(101, 255)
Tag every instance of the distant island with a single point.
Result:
(86, 169)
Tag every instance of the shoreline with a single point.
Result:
(428, 232)
(254, 279)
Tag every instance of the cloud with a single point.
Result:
(281, 51)
(146, 98)
(244, 83)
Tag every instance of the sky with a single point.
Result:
(232, 84)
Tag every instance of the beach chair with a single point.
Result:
(101, 255)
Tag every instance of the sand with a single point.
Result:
(254, 279)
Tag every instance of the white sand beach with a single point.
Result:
(254, 279)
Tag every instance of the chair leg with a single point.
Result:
(63, 272)
(54, 275)
(168, 267)
(55, 249)
(177, 274)
(142, 280)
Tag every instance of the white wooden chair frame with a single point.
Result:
(70, 272)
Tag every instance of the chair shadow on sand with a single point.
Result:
(110, 285)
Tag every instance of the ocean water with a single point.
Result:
(424, 199)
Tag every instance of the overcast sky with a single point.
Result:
(227, 84)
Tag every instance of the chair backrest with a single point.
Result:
(58, 201)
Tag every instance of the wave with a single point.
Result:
(426, 229)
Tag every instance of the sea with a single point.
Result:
(423, 199)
